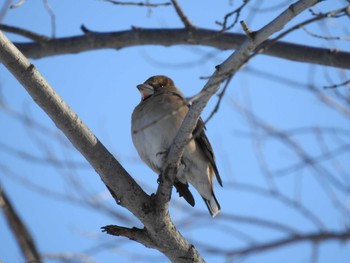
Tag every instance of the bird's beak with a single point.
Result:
(146, 90)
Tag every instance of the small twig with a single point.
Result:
(220, 96)
(87, 31)
(49, 160)
(182, 15)
(235, 12)
(325, 37)
(137, 3)
(19, 229)
(25, 33)
(264, 46)
(53, 17)
(313, 238)
(337, 85)
(19, 3)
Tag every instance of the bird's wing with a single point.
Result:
(203, 142)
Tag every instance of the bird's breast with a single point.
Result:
(153, 131)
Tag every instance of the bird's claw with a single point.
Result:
(160, 179)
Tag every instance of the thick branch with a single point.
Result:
(170, 37)
(20, 231)
(123, 188)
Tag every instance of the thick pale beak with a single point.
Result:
(146, 90)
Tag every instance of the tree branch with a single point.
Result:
(145, 4)
(314, 238)
(123, 188)
(171, 37)
(223, 71)
(20, 231)
(25, 33)
(182, 15)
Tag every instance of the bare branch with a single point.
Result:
(122, 187)
(338, 12)
(19, 229)
(146, 4)
(236, 13)
(87, 202)
(18, 4)
(313, 238)
(316, 221)
(325, 37)
(25, 33)
(170, 37)
(182, 15)
(52, 16)
(220, 96)
(228, 68)
(343, 84)
(29, 157)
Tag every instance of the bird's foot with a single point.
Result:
(160, 178)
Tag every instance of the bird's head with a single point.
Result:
(154, 85)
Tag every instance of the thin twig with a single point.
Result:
(182, 15)
(220, 96)
(338, 85)
(137, 3)
(19, 229)
(53, 17)
(313, 238)
(325, 37)
(264, 46)
(236, 13)
(18, 4)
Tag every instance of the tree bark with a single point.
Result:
(180, 36)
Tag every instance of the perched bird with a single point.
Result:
(155, 122)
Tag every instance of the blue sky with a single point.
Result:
(101, 87)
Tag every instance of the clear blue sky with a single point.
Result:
(100, 87)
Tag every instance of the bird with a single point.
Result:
(154, 125)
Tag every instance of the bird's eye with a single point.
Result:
(161, 85)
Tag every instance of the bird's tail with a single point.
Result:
(213, 205)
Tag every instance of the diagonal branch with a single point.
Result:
(20, 231)
(182, 15)
(223, 71)
(123, 188)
